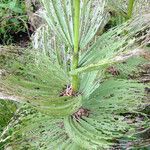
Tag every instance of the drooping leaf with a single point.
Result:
(117, 45)
(113, 114)
(30, 129)
(112, 110)
(36, 80)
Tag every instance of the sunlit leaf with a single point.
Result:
(59, 16)
(36, 80)
(113, 114)
(117, 45)
(30, 129)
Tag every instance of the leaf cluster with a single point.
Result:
(107, 111)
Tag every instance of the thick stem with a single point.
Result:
(75, 78)
(130, 8)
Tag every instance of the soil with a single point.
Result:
(22, 39)
(68, 91)
(82, 112)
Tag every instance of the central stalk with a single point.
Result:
(75, 59)
(130, 8)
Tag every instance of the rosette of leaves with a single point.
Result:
(68, 100)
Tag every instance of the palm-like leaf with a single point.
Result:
(59, 16)
(97, 131)
(39, 84)
(116, 45)
(45, 41)
(33, 130)
(103, 112)
(107, 121)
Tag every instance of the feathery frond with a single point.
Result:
(59, 16)
(131, 68)
(113, 114)
(107, 119)
(47, 43)
(38, 82)
(117, 45)
(106, 112)
(30, 129)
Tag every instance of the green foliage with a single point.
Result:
(106, 112)
(123, 10)
(106, 123)
(6, 112)
(122, 7)
(131, 67)
(115, 45)
(59, 17)
(107, 119)
(13, 19)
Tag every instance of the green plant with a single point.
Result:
(7, 109)
(69, 100)
(13, 19)
(123, 10)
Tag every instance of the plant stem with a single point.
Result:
(130, 8)
(75, 78)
